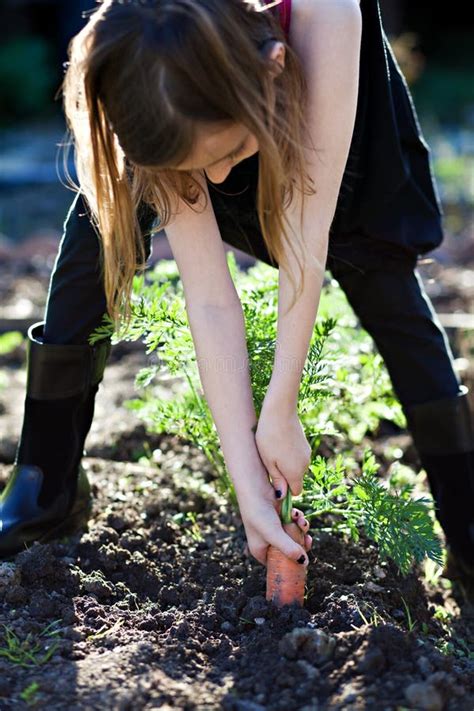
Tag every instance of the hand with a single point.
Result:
(283, 448)
(263, 527)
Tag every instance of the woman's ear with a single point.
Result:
(276, 52)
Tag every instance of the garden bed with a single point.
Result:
(158, 605)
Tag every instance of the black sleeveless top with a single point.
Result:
(388, 206)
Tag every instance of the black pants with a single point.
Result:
(389, 301)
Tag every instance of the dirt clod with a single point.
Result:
(424, 696)
(311, 644)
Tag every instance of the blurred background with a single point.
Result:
(433, 43)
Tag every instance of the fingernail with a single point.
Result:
(301, 559)
(278, 493)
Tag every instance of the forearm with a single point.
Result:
(295, 328)
(219, 339)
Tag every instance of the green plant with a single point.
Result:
(411, 623)
(190, 523)
(374, 620)
(344, 392)
(33, 650)
(450, 643)
(105, 631)
(432, 571)
(400, 525)
(9, 341)
(29, 693)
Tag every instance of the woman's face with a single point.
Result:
(218, 148)
(221, 145)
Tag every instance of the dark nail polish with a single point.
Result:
(301, 559)
(278, 494)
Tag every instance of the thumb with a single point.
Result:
(290, 548)
(279, 483)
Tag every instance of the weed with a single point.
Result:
(189, 520)
(411, 624)
(450, 643)
(29, 694)
(33, 650)
(374, 620)
(105, 631)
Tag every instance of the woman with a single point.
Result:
(296, 142)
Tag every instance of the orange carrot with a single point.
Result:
(286, 578)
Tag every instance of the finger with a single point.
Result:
(308, 542)
(299, 518)
(279, 482)
(296, 486)
(288, 546)
(259, 552)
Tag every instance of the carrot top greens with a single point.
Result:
(345, 391)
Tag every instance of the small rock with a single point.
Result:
(37, 563)
(227, 627)
(313, 645)
(259, 620)
(16, 595)
(308, 669)
(169, 595)
(424, 696)
(256, 607)
(424, 666)
(373, 661)
(439, 678)
(96, 584)
(373, 587)
(349, 694)
(8, 575)
(241, 705)
(379, 572)
(42, 606)
(116, 522)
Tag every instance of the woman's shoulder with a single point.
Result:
(308, 9)
(309, 16)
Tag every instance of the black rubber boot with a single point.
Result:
(443, 434)
(48, 494)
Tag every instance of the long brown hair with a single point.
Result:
(141, 76)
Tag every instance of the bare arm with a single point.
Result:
(326, 36)
(328, 46)
(217, 326)
(218, 330)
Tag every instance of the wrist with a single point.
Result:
(281, 400)
(249, 476)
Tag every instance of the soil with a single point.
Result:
(157, 604)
